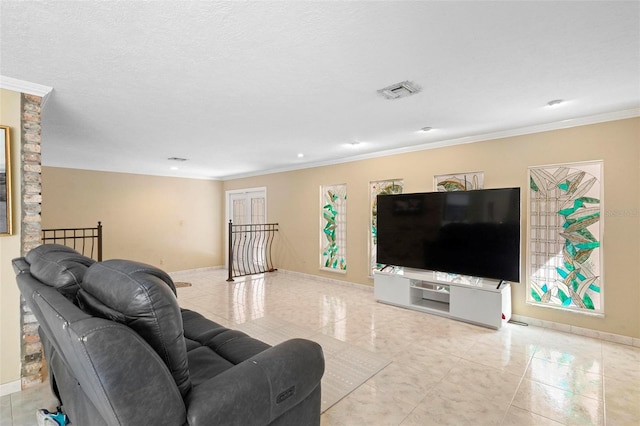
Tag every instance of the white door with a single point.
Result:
(247, 207)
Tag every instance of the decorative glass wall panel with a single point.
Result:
(333, 232)
(565, 257)
(380, 187)
(458, 182)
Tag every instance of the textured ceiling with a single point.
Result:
(241, 88)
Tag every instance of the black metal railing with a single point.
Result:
(250, 249)
(87, 241)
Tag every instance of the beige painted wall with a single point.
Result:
(9, 249)
(172, 223)
(293, 202)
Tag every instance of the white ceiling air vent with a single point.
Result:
(399, 90)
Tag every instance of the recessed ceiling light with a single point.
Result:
(355, 143)
(300, 155)
(426, 129)
(554, 102)
(174, 168)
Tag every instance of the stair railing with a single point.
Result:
(87, 241)
(250, 248)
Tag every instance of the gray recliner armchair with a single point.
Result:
(122, 352)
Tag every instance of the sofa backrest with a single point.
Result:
(143, 298)
(131, 386)
(58, 266)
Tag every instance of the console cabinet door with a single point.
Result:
(391, 289)
(476, 305)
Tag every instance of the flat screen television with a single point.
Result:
(473, 233)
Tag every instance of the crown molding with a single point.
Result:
(27, 87)
(557, 125)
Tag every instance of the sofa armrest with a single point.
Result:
(260, 389)
(20, 265)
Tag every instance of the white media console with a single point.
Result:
(474, 300)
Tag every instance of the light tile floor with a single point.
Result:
(443, 372)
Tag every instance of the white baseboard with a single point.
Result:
(581, 331)
(587, 332)
(327, 279)
(204, 269)
(11, 387)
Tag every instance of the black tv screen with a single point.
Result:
(473, 233)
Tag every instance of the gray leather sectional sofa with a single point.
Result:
(122, 352)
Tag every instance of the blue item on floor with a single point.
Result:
(47, 418)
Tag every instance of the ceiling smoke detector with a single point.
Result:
(399, 90)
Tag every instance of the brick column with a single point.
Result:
(33, 369)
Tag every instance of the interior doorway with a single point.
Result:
(246, 207)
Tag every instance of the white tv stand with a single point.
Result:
(475, 300)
